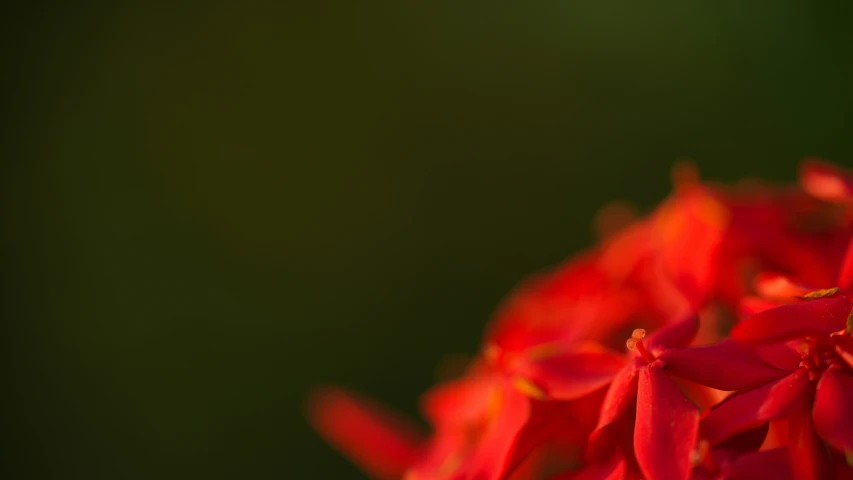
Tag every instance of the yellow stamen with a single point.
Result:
(529, 388)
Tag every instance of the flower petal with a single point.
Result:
(825, 315)
(381, 444)
(826, 181)
(725, 366)
(751, 409)
(845, 277)
(749, 306)
(784, 356)
(678, 334)
(620, 398)
(777, 285)
(497, 442)
(666, 427)
(808, 457)
(550, 424)
(833, 417)
(574, 374)
(459, 401)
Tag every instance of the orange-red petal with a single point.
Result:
(751, 409)
(826, 181)
(380, 443)
(824, 315)
(666, 427)
(833, 416)
(725, 366)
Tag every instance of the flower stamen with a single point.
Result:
(635, 343)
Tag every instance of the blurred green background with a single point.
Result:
(208, 208)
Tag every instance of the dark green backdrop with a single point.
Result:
(209, 208)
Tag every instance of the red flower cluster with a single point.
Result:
(746, 372)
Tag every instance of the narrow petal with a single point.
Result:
(620, 398)
(768, 464)
(380, 443)
(825, 315)
(826, 181)
(833, 417)
(725, 366)
(751, 409)
(497, 442)
(572, 375)
(808, 457)
(666, 427)
(678, 334)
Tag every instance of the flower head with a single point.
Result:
(712, 339)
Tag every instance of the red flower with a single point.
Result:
(548, 395)
(816, 353)
(666, 422)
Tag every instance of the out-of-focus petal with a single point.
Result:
(574, 374)
(826, 181)
(666, 427)
(551, 426)
(725, 366)
(749, 306)
(833, 415)
(689, 229)
(824, 315)
(614, 469)
(377, 441)
(776, 285)
(767, 464)
(841, 468)
(493, 448)
(748, 410)
(459, 401)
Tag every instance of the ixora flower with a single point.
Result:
(746, 293)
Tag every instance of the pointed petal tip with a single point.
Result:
(823, 315)
(826, 181)
(382, 444)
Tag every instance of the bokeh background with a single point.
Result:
(208, 208)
